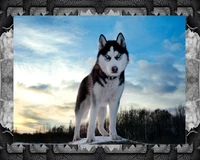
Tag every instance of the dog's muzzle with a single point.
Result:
(114, 69)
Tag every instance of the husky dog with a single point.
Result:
(102, 87)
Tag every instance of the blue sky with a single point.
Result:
(53, 54)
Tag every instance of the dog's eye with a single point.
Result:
(107, 57)
(118, 57)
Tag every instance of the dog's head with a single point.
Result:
(113, 56)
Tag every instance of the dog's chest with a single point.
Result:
(108, 92)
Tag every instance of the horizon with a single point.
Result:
(46, 128)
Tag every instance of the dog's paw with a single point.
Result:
(116, 137)
(90, 140)
(76, 139)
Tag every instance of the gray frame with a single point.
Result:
(9, 150)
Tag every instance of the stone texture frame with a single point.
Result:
(188, 8)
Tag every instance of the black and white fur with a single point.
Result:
(102, 87)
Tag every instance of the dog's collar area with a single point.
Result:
(105, 76)
(111, 78)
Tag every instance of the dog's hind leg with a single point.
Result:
(80, 114)
(78, 117)
(101, 119)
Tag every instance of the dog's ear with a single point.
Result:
(121, 40)
(102, 41)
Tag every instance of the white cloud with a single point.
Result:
(51, 71)
(172, 46)
(43, 41)
(157, 84)
(143, 64)
(42, 104)
(30, 118)
(91, 61)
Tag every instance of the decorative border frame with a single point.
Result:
(189, 8)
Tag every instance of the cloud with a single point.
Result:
(70, 85)
(42, 41)
(172, 46)
(46, 94)
(143, 64)
(29, 96)
(131, 88)
(49, 71)
(41, 87)
(159, 77)
(91, 61)
(73, 86)
(65, 108)
(34, 117)
(157, 83)
(70, 104)
(33, 113)
(130, 105)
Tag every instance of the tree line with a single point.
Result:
(141, 125)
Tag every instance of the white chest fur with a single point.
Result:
(111, 91)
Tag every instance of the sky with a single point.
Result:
(52, 54)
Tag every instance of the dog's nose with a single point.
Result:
(114, 69)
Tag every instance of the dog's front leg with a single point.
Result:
(113, 107)
(92, 123)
